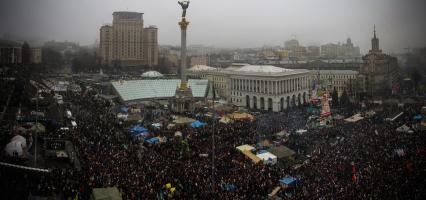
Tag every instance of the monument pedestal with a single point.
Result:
(184, 100)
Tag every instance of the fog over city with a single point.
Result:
(227, 23)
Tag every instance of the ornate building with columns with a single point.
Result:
(267, 87)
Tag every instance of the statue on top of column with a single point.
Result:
(184, 4)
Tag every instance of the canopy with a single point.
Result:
(241, 116)
(225, 120)
(109, 193)
(15, 148)
(73, 123)
(301, 131)
(39, 128)
(281, 151)
(197, 124)
(138, 130)
(183, 120)
(153, 140)
(156, 125)
(245, 147)
(354, 118)
(418, 117)
(288, 180)
(404, 128)
(268, 158)
(124, 109)
(178, 134)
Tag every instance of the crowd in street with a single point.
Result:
(361, 163)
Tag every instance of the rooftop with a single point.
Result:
(337, 72)
(201, 68)
(159, 88)
(264, 70)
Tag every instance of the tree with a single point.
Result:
(26, 53)
(344, 99)
(335, 98)
(417, 78)
(52, 57)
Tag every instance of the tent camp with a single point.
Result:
(268, 158)
(197, 124)
(153, 140)
(354, 118)
(109, 193)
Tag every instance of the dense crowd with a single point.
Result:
(346, 161)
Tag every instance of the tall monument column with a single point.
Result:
(183, 101)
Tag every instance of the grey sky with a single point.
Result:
(228, 23)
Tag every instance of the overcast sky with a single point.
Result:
(228, 23)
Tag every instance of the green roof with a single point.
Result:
(281, 151)
(109, 193)
(159, 88)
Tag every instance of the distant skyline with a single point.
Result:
(228, 23)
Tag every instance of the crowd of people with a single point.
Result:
(361, 164)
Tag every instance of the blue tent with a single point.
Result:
(197, 124)
(288, 180)
(418, 117)
(124, 109)
(153, 140)
(138, 130)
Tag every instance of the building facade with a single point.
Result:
(36, 55)
(126, 42)
(266, 87)
(339, 80)
(10, 52)
(381, 71)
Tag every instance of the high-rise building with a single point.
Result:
(127, 43)
(380, 70)
(36, 57)
(10, 52)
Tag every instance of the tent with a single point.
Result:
(354, 118)
(418, 117)
(225, 120)
(251, 156)
(301, 131)
(288, 180)
(109, 193)
(281, 151)
(15, 148)
(170, 126)
(245, 147)
(124, 109)
(404, 129)
(74, 124)
(156, 125)
(197, 124)
(153, 140)
(183, 120)
(241, 116)
(268, 158)
(39, 128)
(138, 130)
(282, 134)
(178, 134)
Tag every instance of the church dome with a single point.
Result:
(152, 74)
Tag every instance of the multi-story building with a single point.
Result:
(200, 60)
(10, 52)
(126, 42)
(262, 87)
(36, 55)
(380, 70)
(313, 51)
(339, 80)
